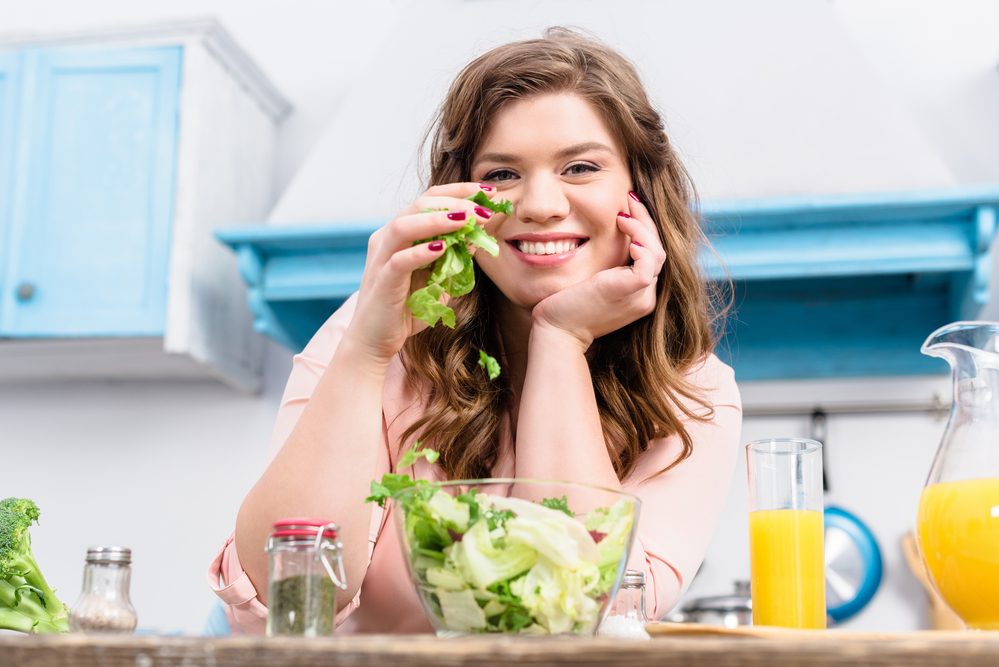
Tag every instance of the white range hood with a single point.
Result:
(763, 99)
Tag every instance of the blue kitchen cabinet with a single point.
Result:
(88, 224)
(9, 83)
(121, 151)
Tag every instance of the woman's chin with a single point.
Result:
(538, 292)
(522, 301)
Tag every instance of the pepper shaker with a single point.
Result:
(105, 605)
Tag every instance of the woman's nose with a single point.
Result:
(542, 200)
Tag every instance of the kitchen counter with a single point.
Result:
(809, 649)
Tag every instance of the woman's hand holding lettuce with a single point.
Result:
(423, 240)
(454, 273)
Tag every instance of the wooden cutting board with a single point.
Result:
(788, 634)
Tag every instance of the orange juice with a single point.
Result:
(787, 567)
(958, 527)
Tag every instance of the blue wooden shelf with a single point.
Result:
(833, 286)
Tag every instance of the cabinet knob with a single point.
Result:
(25, 292)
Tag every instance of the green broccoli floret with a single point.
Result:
(27, 602)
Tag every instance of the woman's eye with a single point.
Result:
(581, 168)
(499, 175)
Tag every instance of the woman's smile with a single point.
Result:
(546, 250)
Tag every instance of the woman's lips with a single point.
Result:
(544, 260)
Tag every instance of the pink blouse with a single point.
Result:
(679, 512)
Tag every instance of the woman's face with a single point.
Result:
(554, 157)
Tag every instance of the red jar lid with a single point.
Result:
(301, 527)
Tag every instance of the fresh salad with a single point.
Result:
(453, 273)
(486, 563)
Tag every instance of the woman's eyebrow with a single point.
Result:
(583, 148)
(562, 154)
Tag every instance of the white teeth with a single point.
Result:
(547, 248)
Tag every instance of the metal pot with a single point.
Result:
(728, 611)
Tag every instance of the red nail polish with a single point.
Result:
(486, 187)
(637, 243)
(456, 215)
(436, 246)
(634, 196)
(483, 212)
(623, 214)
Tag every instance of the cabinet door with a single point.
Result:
(90, 230)
(9, 85)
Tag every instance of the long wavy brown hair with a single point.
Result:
(638, 371)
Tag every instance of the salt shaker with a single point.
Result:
(305, 558)
(104, 605)
(627, 617)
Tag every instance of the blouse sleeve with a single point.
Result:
(681, 508)
(246, 613)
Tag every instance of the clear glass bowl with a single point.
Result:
(515, 556)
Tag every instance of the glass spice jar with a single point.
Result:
(305, 569)
(104, 604)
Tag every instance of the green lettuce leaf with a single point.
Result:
(483, 563)
(461, 611)
(561, 539)
(560, 504)
(414, 453)
(454, 513)
(504, 206)
(453, 273)
(490, 364)
(425, 304)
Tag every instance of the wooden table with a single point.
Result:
(828, 649)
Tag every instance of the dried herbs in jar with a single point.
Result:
(306, 569)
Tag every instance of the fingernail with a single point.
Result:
(486, 187)
(483, 212)
(623, 214)
(634, 196)
(637, 243)
(456, 215)
(436, 246)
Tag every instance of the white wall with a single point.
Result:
(312, 49)
(161, 467)
(156, 466)
(941, 58)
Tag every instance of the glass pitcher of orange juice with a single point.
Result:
(786, 552)
(958, 519)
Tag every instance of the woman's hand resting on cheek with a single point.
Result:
(612, 298)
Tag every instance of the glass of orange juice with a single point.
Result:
(787, 564)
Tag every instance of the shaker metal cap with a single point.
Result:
(633, 578)
(118, 555)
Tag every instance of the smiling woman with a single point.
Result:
(594, 304)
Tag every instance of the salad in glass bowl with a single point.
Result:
(518, 556)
